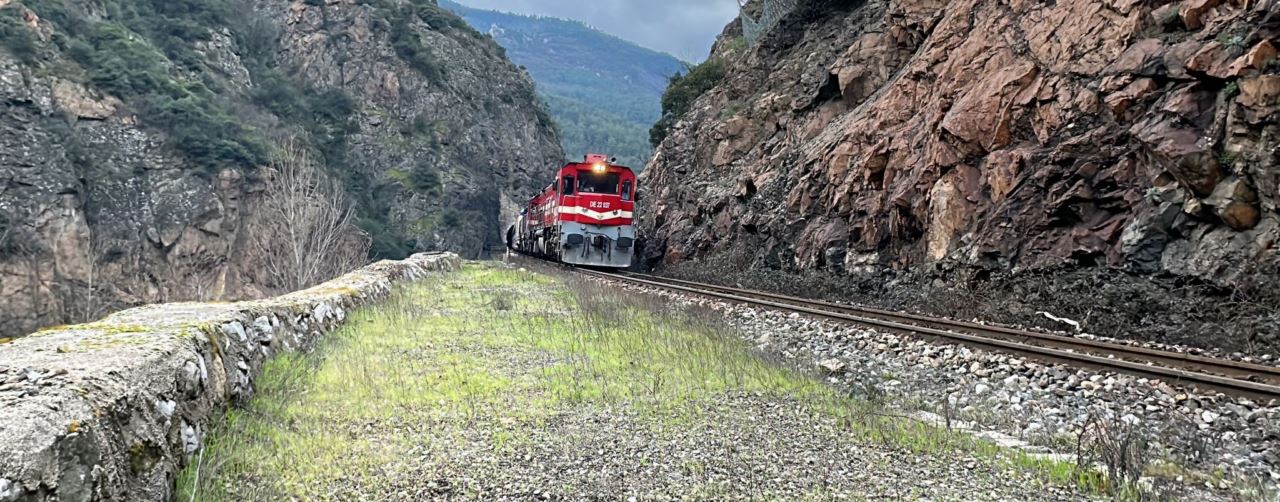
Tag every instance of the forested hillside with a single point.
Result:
(604, 92)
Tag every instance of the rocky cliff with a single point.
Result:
(1122, 150)
(136, 139)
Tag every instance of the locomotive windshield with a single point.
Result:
(590, 182)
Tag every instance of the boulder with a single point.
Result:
(832, 366)
(76, 99)
(1256, 59)
(1193, 12)
(1236, 203)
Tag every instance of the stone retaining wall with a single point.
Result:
(113, 410)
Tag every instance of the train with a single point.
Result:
(586, 217)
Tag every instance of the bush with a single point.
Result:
(388, 244)
(133, 55)
(682, 92)
(208, 136)
(409, 46)
(451, 218)
(120, 63)
(16, 36)
(439, 19)
(425, 179)
(278, 94)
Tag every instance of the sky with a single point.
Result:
(684, 28)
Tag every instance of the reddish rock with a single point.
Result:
(1250, 136)
(1236, 203)
(1260, 92)
(1143, 57)
(982, 116)
(1212, 59)
(1256, 59)
(1020, 133)
(1193, 11)
(1178, 150)
(1120, 102)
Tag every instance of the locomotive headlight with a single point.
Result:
(598, 167)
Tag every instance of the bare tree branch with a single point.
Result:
(304, 224)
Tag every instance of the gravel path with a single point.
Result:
(739, 447)
(1190, 445)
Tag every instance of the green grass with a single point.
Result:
(510, 349)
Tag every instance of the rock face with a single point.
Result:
(115, 409)
(901, 134)
(427, 126)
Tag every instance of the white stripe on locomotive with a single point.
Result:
(595, 214)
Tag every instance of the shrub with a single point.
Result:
(425, 179)
(329, 120)
(388, 243)
(1231, 89)
(439, 19)
(331, 106)
(737, 44)
(409, 46)
(205, 134)
(419, 127)
(682, 92)
(451, 218)
(278, 94)
(16, 36)
(122, 64)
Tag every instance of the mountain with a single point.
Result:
(604, 92)
(162, 150)
(1110, 162)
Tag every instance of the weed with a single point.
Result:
(1152, 195)
(1231, 90)
(1122, 449)
(1227, 159)
(731, 110)
(736, 44)
(1233, 43)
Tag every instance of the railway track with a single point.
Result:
(1245, 380)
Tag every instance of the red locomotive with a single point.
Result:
(584, 218)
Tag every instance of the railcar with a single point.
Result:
(584, 218)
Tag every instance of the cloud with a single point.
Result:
(684, 28)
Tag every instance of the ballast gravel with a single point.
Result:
(1204, 446)
(738, 447)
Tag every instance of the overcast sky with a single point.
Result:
(684, 28)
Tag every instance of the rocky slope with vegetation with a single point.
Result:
(603, 91)
(1110, 161)
(141, 142)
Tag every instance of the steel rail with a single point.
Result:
(1197, 371)
(1226, 367)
